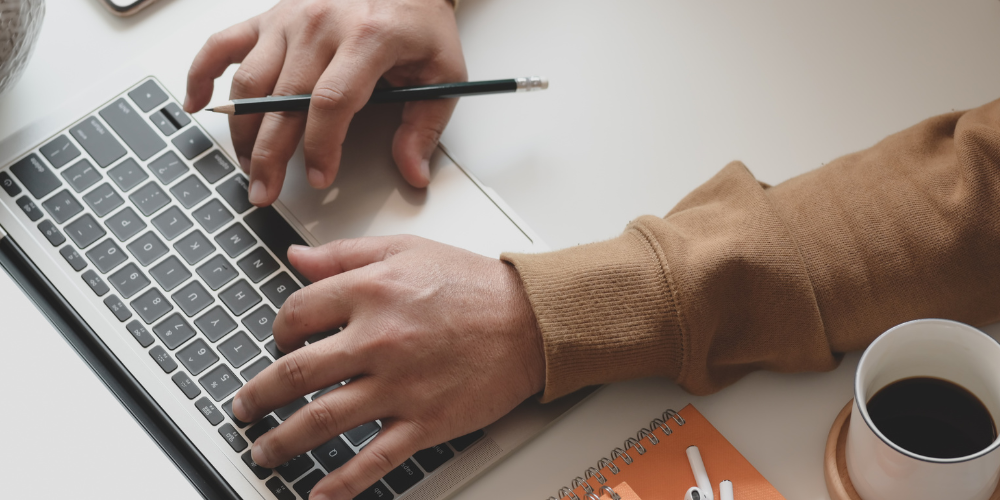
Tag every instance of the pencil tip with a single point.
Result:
(209, 109)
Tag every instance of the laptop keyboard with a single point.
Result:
(146, 209)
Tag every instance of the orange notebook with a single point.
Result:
(655, 463)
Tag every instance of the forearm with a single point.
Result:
(740, 277)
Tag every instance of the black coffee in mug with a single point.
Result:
(932, 417)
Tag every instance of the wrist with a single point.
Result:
(528, 334)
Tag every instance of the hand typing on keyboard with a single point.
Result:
(337, 50)
(439, 342)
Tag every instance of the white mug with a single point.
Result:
(881, 470)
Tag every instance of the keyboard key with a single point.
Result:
(62, 205)
(173, 331)
(432, 458)
(84, 231)
(194, 247)
(8, 185)
(316, 337)
(51, 232)
(216, 272)
(171, 223)
(259, 322)
(220, 382)
(209, 411)
(147, 248)
(186, 385)
(35, 176)
(307, 483)
(235, 440)
(193, 298)
(197, 356)
(240, 297)
(125, 224)
(272, 349)
(163, 359)
(333, 454)
(212, 216)
(59, 151)
(213, 166)
(73, 258)
(80, 176)
(279, 289)
(294, 468)
(133, 129)
(235, 240)
(148, 95)
(255, 368)
(362, 433)
(106, 255)
(260, 428)
(215, 324)
(239, 349)
(95, 283)
(149, 198)
(228, 408)
(139, 333)
(128, 174)
(260, 472)
(98, 141)
(170, 273)
(30, 209)
(279, 490)
(103, 199)
(129, 280)
(234, 191)
(377, 491)
(168, 167)
(286, 411)
(163, 123)
(320, 394)
(190, 191)
(404, 477)
(276, 234)
(176, 114)
(258, 264)
(151, 306)
(191, 143)
(463, 442)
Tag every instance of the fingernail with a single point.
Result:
(425, 169)
(297, 248)
(316, 178)
(260, 454)
(238, 408)
(318, 496)
(244, 164)
(187, 100)
(258, 193)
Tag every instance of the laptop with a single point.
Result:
(125, 222)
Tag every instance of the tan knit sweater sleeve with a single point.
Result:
(740, 276)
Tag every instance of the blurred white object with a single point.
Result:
(20, 22)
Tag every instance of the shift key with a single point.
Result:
(98, 141)
(133, 129)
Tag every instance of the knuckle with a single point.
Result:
(323, 419)
(294, 307)
(331, 96)
(245, 82)
(293, 371)
(372, 28)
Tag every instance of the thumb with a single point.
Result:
(418, 135)
(340, 256)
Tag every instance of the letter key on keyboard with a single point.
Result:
(217, 272)
(170, 273)
(125, 224)
(239, 349)
(171, 223)
(215, 324)
(192, 298)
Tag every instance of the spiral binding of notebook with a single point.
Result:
(632, 443)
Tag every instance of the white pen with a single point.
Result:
(700, 474)
(726, 490)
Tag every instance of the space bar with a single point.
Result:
(276, 234)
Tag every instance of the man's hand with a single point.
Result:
(337, 50)
(439, 342)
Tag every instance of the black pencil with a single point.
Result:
(402, 94)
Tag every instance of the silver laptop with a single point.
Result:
(127, 224)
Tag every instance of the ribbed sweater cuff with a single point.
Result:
(605, 310)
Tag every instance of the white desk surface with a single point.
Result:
(649, 98)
